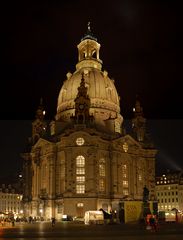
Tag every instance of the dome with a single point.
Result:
(100, 88)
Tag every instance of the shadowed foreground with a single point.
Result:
(76, 231)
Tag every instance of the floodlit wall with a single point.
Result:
(134, 210)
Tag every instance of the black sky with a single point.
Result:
(140, 49)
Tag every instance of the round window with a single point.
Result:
(80, 141)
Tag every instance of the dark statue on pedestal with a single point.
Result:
(145, 194)
(146, 208)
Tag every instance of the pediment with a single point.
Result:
(130, 142)
(89, 138)
(42, 143)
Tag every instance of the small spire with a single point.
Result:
(82, 89)
(40, 110)
(41, 101)
(89, 29)
(138, 109)
(89, 34)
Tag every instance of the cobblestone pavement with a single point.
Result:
(77, 231)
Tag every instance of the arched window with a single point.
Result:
(80, 174)
(102, 174)
(80, 161)
(102, 167)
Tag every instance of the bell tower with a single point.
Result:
(39, 124)
(138, 122)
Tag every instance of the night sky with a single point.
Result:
(140, 49)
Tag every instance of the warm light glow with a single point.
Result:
(80, 188)
(125, 183)
(101, 185)
(125, 192)
(80, 141)
(102, 169)
(140, 177)
(80, 204)
(44, 112)
(125, 147)
(80, 161)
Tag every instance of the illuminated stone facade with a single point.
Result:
(10, 201)
(84, 161)
(169, 191)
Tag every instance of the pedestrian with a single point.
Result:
(153, 223)
(53, 221)
(13, 222)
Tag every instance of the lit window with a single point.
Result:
(80, 170)
(80, 161)
(125, 192)
(102, 167)
(124, 167)
(80, 179)
(102, 160)
(140, 177)
(125, 147)
(101, 185)
(124, 171)
(80, 188)
(125, 183)
(80, 205)
(80, 141)
(102, 170)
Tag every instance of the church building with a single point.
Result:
(83, 160)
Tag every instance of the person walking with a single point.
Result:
(53, 222)
(153, 223)
(13, 222)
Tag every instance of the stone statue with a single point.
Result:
(145, 194)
